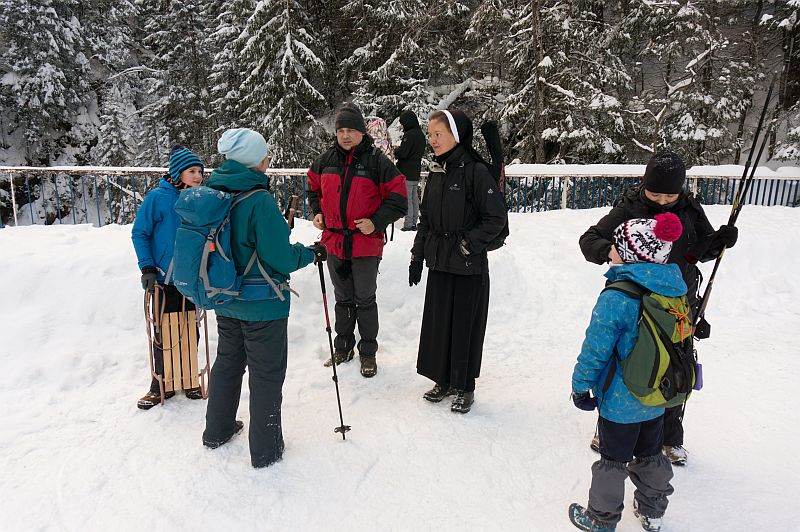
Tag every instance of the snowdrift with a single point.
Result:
(78, 455)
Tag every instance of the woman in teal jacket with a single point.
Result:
(252, 334)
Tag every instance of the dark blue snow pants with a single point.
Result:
(261, 347)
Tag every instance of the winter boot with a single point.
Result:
(152, 398)
(676, 454)
(369, 367)
(463, 401)
(237, 428)
(340, 357)
(579, 518)
(595, 445)
(438, 392)
(193, 393)
(651, 524)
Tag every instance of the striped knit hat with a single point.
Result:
(181, 158)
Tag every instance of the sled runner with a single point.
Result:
(177, 334)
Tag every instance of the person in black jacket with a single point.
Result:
(462, 212)
(409, 162)
(662, 190)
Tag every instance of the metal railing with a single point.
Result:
(103, 195)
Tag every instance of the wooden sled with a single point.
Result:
(177, 335)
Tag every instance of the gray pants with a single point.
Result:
(412, 214)
(650, 475)
(261, 346)
(355, 304)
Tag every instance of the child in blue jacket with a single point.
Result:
(631, 433)
(153, 238)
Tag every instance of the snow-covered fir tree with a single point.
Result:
(46, 86)
(282, 71)
(179, 111)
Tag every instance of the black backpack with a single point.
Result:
(497, 169)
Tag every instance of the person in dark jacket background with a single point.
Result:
(409, 162)
(253, 334)
(153, 236)
(355, 193)
(662, 190)
(461, 213)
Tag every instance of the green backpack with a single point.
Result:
(660, 370)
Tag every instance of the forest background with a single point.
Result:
(117, 82)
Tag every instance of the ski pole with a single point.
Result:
(342, 428)
(700, 322)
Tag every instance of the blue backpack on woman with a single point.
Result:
(202, 267)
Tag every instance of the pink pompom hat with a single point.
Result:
(647, 240)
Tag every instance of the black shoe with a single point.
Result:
(340, 357)
(463, 402)
(595, 445)
(438, 392)
(193, 393)
(369, 367)
(237, 428)
(152, 398)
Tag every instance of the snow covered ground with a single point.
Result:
(76, 454)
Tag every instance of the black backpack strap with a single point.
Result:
(629, 288)
(634, 291)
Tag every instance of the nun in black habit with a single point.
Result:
(462, 212)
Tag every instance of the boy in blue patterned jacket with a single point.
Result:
(153, 238)
(631, 433)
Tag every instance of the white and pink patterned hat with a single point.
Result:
(647, 240)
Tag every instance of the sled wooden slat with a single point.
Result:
(194, 372)
(166, 341)
(172, 351)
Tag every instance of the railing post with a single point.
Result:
(13, 198)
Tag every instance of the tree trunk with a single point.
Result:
(538, 108)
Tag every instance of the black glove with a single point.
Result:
(584, 401)
(320, 252)
(727, 235)
(149, 278)
(414, 271)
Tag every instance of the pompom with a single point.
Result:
(668, 227)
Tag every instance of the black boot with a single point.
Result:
(339, 357)
(463, 402)
(237, 428)
(438, 392)
(369, 367)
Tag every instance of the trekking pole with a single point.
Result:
(341, 428)
(700, 323)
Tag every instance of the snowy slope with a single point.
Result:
(76, 454)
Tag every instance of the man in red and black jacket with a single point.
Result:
(355, 193)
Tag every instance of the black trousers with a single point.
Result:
(453, 328)
(673, 426)
(170, 300)
(356, 304)
(260, 346)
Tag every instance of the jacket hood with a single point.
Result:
(409, 120)
(664, 279)
(165, 184)
(232, 176)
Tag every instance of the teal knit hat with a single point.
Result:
(181, 158)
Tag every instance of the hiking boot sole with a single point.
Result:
(238, 426)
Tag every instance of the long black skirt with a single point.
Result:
(453, 328)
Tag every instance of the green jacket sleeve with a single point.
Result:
(271, 235)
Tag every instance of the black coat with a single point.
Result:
(697, 241)
(461, 202)
(409, 153)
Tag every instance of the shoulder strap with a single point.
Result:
(629, 288)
